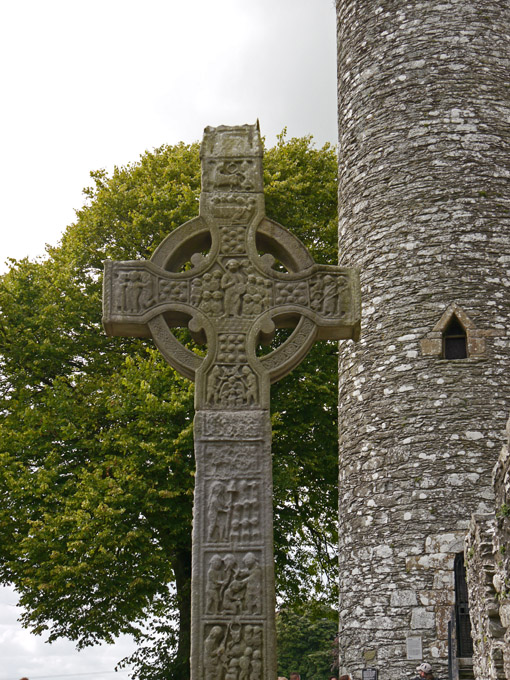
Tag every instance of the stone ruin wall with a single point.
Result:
(488, 573)
(424, 146)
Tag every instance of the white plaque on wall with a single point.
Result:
(414, 648)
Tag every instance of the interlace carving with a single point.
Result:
(231, 426)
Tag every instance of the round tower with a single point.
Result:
(424, 167)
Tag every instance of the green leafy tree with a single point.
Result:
(306, 640)
(96, 445)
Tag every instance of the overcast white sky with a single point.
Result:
(93, 84)
(90, 84)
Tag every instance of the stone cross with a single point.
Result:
(254, 277)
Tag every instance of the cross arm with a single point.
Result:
(327, 295)
(134, 292)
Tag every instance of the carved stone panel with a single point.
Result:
(233, 652)
(326, 295)
(233, 583)
(239, 427)
(291, 293)
(232, 386)
(233, 175)
(235, 209)
(135, 290)
(233, 511)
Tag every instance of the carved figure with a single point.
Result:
(245, 663)
(251, 283)
(214, 382)
(216, 304)
(233, 207)
(329, 296)
(214, 385)
(214, 650)
(233, 669)
(214, 585)
(252, 574)
(215, 280)
(256, 665)
(135, 290)
(250, 383)
(145, 294)
(233, 286)
(257, 637)
(235, 645)
(218, 509)
(122, 282)
(257, 304)
(231, 176)
(230, 566)
(233, 599)
(196, 292)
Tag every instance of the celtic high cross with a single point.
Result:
(256, 276)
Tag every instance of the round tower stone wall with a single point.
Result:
(424, 167)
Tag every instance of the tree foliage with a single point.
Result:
(306, 641)
(96, 445)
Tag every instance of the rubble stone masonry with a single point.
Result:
(424, 167)
(488, 572)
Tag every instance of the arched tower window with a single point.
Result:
(454, 340)
(455, 336)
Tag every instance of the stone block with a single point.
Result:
(476, 346)
(452, 542)
(439, 650)
(504, 614)
(431, 347)
(444, 580)
(443, 597)
(383, 551)
(443, 615)
(403, 598)
(422, 618)
(370, 655)
(443, 561)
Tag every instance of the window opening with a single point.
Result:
(454, 340)
(462, 620)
